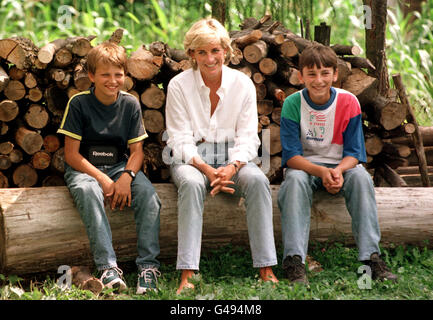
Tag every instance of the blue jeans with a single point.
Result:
(250, 183)
(89, 199)
(295, 198)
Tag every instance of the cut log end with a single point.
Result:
(25, 176)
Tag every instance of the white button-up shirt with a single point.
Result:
(189, 120)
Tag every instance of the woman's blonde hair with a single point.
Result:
(206, 31)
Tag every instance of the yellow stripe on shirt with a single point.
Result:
(142, 137)
(67, 106)
(69, 134)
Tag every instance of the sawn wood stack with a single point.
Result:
(36, 84)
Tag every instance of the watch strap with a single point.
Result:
(131, 173)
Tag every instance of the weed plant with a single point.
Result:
(227, 274)
(409, 51)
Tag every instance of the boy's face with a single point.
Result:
(108, 80)
(318, 81)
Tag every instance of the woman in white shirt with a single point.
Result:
(211, 117)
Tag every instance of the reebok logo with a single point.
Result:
(102, 154)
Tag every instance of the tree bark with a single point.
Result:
(405, 217)
(30, 141)
(47, 52)
(255, 52)
(219, 10)
(362, 86)
(392, 177)
(58, 160)
(81, 78)
(419, 146)
(4, 79)
(242, 39)
(19, 51)
(140, 64)
(82, 279)
(375, 38)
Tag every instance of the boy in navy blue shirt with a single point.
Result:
(100, 125)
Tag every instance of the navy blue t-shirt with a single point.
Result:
(95, 124)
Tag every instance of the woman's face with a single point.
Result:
(210, 59)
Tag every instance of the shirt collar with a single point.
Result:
(224, 79)
(316, 106)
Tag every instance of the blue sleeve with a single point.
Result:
(353, 140)
(137, 132)
(290, 140)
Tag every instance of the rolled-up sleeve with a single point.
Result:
(179, 127)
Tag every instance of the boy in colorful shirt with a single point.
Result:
(100, 125)
(323, 146)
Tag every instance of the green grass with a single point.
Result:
(226, 274)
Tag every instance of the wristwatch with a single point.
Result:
(235, 165)
(131, 173)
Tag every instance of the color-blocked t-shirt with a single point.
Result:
(325, 133)
(93, 123)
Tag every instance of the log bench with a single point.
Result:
(40, 228)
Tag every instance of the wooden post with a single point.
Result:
(322, 34)
(375, 35)
(417, 138)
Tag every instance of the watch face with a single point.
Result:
(131, 173)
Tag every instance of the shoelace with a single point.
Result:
(119, 272)
(153, 271)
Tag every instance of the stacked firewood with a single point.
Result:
(268, 53)
(36, 84)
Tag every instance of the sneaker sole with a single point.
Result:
(144, 290)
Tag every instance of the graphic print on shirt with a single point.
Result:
(322, 134)
(317, 126)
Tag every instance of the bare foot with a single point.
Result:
(186, 274)
(266, 274)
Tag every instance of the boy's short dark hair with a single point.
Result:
(107, 53)
(317, 55)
